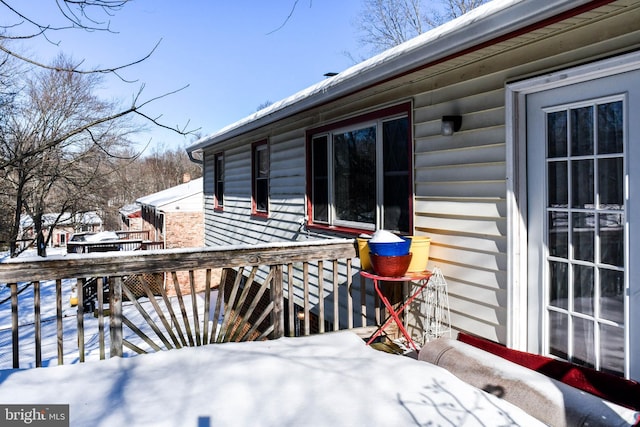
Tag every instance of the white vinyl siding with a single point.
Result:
(460, 200)
(460, 182)
(234, 225)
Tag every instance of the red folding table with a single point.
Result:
(423, 280)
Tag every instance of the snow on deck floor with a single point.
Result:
(323, 380)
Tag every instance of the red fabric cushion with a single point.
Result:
(606, 386)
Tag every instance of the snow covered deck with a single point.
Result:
(322, 380)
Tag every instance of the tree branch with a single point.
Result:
(76, 70)
(134, 109)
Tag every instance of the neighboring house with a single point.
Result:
(66, 225)
(131, 216)
(528, 194)
(175, 215)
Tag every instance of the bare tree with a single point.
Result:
(57, 139)
(132, 177)
(455, 8)
(58, 145)
(7, 88)
(88, 15)
(386, 23)
(74, 15)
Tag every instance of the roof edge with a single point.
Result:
(488, 22)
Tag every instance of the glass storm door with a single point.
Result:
(578, 157)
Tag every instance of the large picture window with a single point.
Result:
(219, 180)
(260, 178)
(359, 173)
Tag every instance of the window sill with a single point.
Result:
(343, 231)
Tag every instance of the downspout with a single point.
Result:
(164, 245)
(193, 159)
(164, 229)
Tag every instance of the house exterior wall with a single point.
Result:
(135, 224)
(460, 182)
(184, 230)
(58, 232)
(461, 188)
(235, 225)
(153, 222)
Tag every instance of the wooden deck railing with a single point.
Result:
(200, 296)
(151, 245)
(133, 234)
(106, 246)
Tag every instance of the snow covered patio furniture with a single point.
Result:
(547, 399)
(322, 380)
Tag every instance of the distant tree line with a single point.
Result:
(143, 175)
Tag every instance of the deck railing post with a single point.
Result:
(115, 317)
(277, 296)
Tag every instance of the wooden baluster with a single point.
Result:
(336, 297)
(277, 296)
(100, 290)
(14, 325)
(59, 327)
(290, 301)
(37, 318)
(321, 296)
(349, 296)
(305, 284)
(80, 317)
(194, 307)
(115, 317)
(207, 307)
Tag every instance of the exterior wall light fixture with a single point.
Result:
(451, 124)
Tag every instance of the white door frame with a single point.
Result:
(515, 128)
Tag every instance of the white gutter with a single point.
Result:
(483, 24)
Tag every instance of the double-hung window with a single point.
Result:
(260, 178)
(359, 171)
(219, 180)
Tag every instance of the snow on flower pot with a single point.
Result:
(388, 244)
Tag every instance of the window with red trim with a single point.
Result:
(359, 173)
(219, 181)
(260, 178)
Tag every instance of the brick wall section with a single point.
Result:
(135, 224)
(184, 229)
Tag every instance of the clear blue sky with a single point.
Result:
(225, 50)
